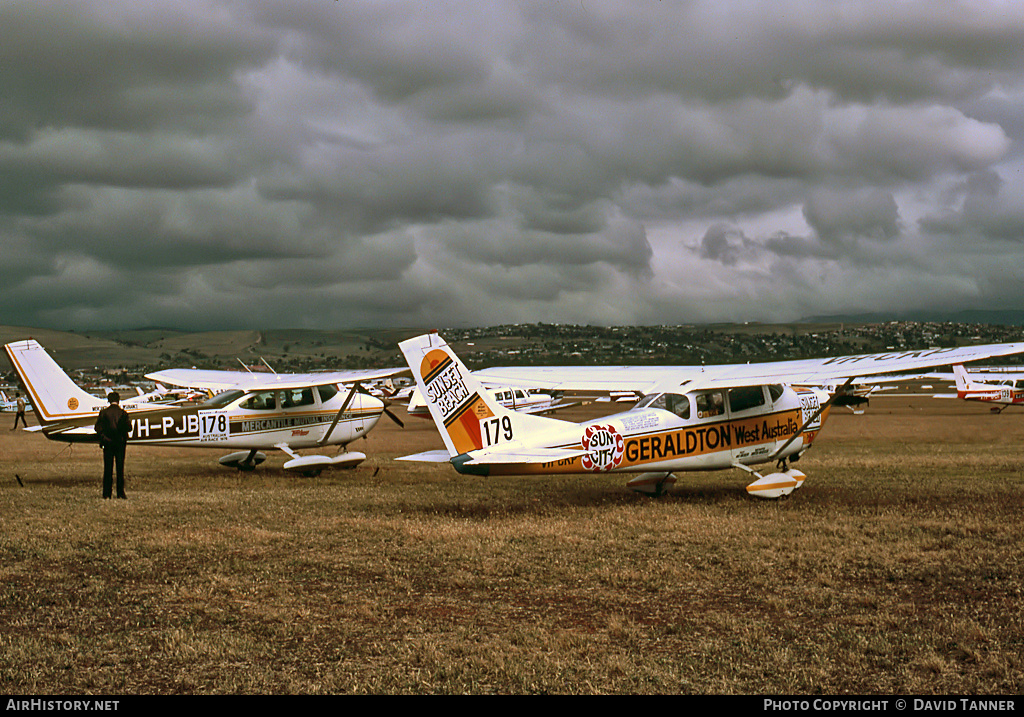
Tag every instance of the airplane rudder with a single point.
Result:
(456, 399)
(960, 375)
(52, 392)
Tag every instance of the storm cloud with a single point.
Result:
(317, 163)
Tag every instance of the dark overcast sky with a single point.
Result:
(324, 164)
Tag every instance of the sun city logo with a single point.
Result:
(72, 403)
(605, 446)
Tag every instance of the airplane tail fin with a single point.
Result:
(467, 415)
(963, 382)
(52, 393)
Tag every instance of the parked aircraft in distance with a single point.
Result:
(515, 399)
(1001, 389)
(696, 418)
(10, 405)
(252, 413)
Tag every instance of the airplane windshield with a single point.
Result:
(261, 401)
(222, 399)
(327, 392)
(673, 402)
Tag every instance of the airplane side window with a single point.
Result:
(744, 398)
(775, 391)
(298, 397)
(710, 404)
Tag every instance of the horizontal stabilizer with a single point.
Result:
(523, 455)
(66, 429)
(439, 456)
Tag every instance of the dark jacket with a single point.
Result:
(113, 426)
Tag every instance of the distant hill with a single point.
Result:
(288, 350)
(1008, 317)
(282, 349)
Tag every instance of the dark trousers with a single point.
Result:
(20, 415)
(113, 456)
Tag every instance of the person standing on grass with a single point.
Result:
(113, 426)
(21, 412)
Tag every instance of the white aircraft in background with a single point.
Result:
(251, 413)
(8, 404)
(692, 417)
(514, 399)
(1000, 388)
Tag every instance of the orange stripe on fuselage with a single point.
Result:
(687, 442)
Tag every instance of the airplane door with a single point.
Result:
(753, 438)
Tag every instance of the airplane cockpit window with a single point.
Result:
(775, 391)
(327, 392)
(262, 401)
(710, 404)
(744, 398)
(1020, 383)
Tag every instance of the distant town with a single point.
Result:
(526, 344)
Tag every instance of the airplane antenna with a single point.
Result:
(268, 365)
(243, 364)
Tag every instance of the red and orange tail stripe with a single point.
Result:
(463, 423)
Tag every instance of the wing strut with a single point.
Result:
(356, 388)
(812, 419)
(337, 417)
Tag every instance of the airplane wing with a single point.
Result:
(224, 380)
(811, 372)
(585, 379)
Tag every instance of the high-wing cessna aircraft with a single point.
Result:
(691, 417)
(252, 413)
(1000, 389)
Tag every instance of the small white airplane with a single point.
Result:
(692, 417)
(251, 413)
(1001, 389)
(7, 404)
(515, 399)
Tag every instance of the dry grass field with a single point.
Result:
(897, 568)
